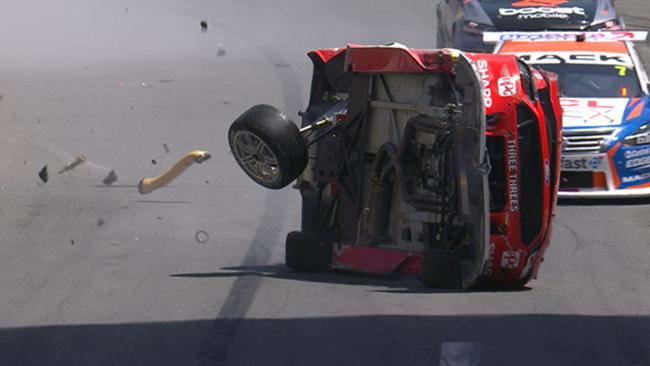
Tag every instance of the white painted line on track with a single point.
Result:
(459, 354)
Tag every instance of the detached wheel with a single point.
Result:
(308, 252)
(441, 269)
(268, 146)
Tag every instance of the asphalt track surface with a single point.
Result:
(96, 275)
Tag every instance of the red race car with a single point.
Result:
(436, 163)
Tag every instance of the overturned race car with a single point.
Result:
(434, 163)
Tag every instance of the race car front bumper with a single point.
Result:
(601, 175)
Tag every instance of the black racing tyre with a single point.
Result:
(441, 269)
(268, 146)
(308, 252)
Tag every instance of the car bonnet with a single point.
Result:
(546, 14)
(583, 112)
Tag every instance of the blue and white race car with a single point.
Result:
(605, 96)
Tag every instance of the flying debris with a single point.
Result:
(77, 161)
(110, 178)
(43, 174)
(148, 185)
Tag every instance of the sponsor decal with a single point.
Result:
(601, 58)
(513, 176)
(583, 112)
(492, 37)
(636, 178)
(581, 163)
(633, 153)
(489, 266)
(507, 86)
(523, 3)
(542, 13)
(510, 259)
(484, 73)
(637, 162)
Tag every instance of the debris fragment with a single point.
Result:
(148, 185)
(220, 50)
(71, 241)
(43, 174)
(144, 85)
(204, 26)
(154, 162)
(77, 160)
(100, 221)
(166, 147)
(158, 218)
(165, 81)
(110, 178)
(201, 236)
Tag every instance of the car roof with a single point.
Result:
(609, 47)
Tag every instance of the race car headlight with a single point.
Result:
(640, 137)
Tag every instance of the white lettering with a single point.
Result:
(513, 176)
(636, 178)
(637, 162)
(637, 152)
(542, 13)
(484, 73)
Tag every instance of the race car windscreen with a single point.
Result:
(595, 81)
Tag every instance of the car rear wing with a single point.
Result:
(609, 36)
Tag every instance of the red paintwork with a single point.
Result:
(504, 248)
(375, 260)
(329, 53)
(503, 90)
(386, 59)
